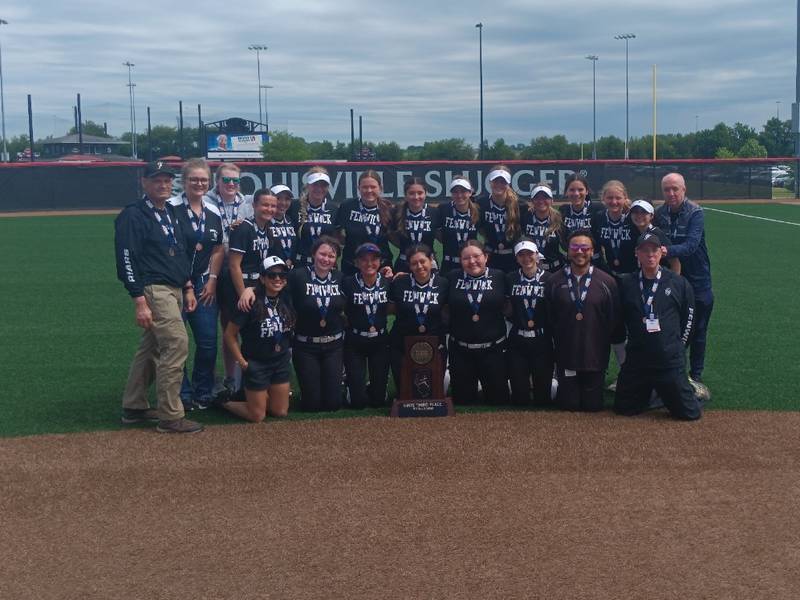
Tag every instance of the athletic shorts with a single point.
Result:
(260, 374)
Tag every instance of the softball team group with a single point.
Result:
(301, 282)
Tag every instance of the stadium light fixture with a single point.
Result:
(258, 48)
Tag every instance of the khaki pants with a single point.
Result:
(161, 355)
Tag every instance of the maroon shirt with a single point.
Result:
(583, 345)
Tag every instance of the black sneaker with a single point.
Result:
(179, 426)
(131, 416)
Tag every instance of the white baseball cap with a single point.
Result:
(644, 205)
(272, 261)
(542, 188)
(460, 182)
(277, 189)
(505, 175)
(315, 177)
(526, 245)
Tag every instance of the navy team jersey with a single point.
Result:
(528, 308)
(492, 224)
(418, 307)
(254, 243)
(268, 337)
(318, 302)
(615, 243)
(457, 228)
(420, 228)
(284, 235)
(319, 221)
(367, 306)
(482, 297)
(361, 224)
(547, 239)
(572, 221)
(203, 232)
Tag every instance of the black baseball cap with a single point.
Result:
(648, 237)
(158, 167)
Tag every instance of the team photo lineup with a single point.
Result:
(526, 300)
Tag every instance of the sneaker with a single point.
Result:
(229, 383)
(203, 402)
(188, 404)
(179, 426)
(130, 416)
(612, 387)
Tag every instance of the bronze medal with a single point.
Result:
(421, 329)
(530, 324)
(579, 317)
(171, 251)
(476, 318)
(616, 262)
(372, 329)
(277, 347)
(323, 323)
(500, 247)
(199, 247)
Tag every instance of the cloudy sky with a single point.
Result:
(410, 67)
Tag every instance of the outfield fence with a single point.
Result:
(67, 186)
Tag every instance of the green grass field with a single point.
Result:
(68, 332)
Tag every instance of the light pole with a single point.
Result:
(3, 103)
(778, 108)
(258, 48)
(626, 37)
(594, 60)
(480, 68)
(266, 104)
(131, 85)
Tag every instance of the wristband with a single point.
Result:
(212, 276)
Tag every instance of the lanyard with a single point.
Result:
(578, 299)
(370, 307)
(315, 224)
(165, 222)
(226, 222)
(367, 215)
(615, 241)
(539, 232)
(286, 239)
(530, 302)
(423, 294)
(648, 295)
(461, 235)
(500, 221)
(323, 303)
(198, 223)
(416, 235)
(475, 300)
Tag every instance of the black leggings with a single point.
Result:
(362, 356)
(581, 391)
(467, 367)
(319, 373)
(530, 357)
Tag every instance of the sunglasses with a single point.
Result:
(580, 247)
(276, 275)
(235, 180)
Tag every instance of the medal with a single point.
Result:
(323, 323)
(616, 262)
(372, 329)
(277, 347)
(171, 251)
(198, 247)
(421, 328)
(476, 318)
(578, 299)
(500, 247)
(530, 324)
(579, 317)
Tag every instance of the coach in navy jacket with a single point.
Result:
(153, 264)
(683, 220)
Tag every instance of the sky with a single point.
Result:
(409, 68)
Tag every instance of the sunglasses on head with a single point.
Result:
(231, 180)
(276, 274)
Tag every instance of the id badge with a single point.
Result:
(652, 325)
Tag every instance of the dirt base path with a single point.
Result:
(505, 505)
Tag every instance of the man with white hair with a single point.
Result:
(683, 220)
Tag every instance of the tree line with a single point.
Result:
(721, 141)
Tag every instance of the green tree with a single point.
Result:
(610, 146)
(388, 151)
(725, 153)
(710, 140)
(752, 149)
(283, 146)
(91, 128)
(449, 149)
(551, 148)
(777, 137)
(499, 151)
(17, 144)
(741, 134)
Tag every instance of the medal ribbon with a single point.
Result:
(616, 235)
(530, 303)
(584, 288)
(649, 295)
(323, 303)
(367, 213)
(499, 224)
(539, 231)
(461, 236)
(166, 223)
(315, 226)
(415, 236)
(223, 211)
(475, 301)
(421, 307)
(285, 240)
(198, 223)
(371, 307)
